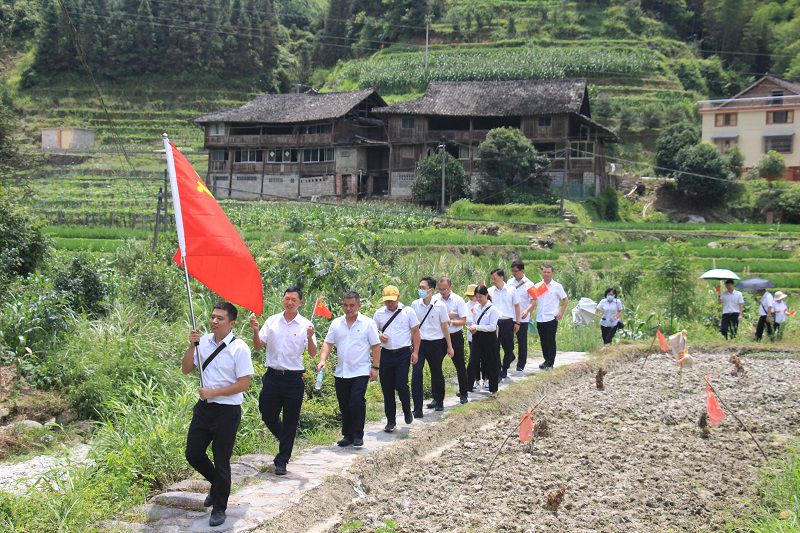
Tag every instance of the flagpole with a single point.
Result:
(176, 210)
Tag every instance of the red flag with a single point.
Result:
(483, 283)
(537, 290)
(662, 341)
(526, 427)
(714, 411)
(215, 253)
(320, 309)
(791, 313)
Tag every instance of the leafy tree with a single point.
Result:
(331, 43)
(672, 140)
(771, 166)
(704, 177)
(428, 186)
(672, 270)
(84, 285)
(9, 153)
(23, 243)
(734, 160)
(509, 163)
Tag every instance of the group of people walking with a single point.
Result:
(772, 311)
(398, 336)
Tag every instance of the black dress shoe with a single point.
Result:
(409, 418)
(344, 442)
(418, 414)
(280, 470)
(542, 366)
(432, 405)
(217, 518)
(209, 500)
(358, 442)
(438, 408)
(388, 428)
(463, 398)
(520, 369)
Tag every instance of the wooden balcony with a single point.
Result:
(246, 167)
(216, 140)
(244, 140)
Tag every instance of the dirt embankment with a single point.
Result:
(629, 458)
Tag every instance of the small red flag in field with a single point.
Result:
(209, 246)
(537, 290)
(526, 427)
(320, 309)
(713, 409)
(662, 341)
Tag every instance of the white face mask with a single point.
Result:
(610, 297)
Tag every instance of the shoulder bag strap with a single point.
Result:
(484, 312)
(426, 315)
(391, 319)
(215, 353)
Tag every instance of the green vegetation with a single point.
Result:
(427, 188)
(511, 169)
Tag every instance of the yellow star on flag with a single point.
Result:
(201, 187)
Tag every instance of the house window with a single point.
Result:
(315, 128)
(219, 155)
(781, 144)
(248, 156)
(281, 155)
(724, 145)
(581, 150)
(777, 98)
(317, 155)
(216, 129)
(545, 121)
(407, 123)
(725, 119)
(780, 117)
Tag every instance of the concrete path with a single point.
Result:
(263, 495)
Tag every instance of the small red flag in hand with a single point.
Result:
(662, 341)
(791, 313)
(537, 290)
(714, 411)
(320, 309)
(716, 289)
(526, 427)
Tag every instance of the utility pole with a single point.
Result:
(566, 177)
(158, 218)
(427, 28)
(444, 160)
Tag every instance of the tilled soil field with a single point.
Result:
(629, 458)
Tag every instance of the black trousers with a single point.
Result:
(434, 353)
(474, 368)
(608, 333)
(547, 337)
(762, 324)
(215, 424)
(457, 340)
(350, 393)
(484, 343)
(522, 346)
(729, 324)
(505, 339)
(281, 393)
(393, 376)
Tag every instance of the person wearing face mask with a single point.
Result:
(435, 334)
(610, 310)
(484, 337)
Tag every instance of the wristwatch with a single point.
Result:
(376, 367)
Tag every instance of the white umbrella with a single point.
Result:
(584, 312)
(719, 274)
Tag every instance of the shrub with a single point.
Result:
(771, 166)
(672, 140)
(512, 212)
(23, 244)
(509, 162)
(704, 178)
(734, 160)
(85, 285)
(606, 204)
(151, 279)
(428, 186)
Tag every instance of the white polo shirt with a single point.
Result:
(505, 299)
(286, 341)
(767, 301)
(487, 322)
(353, 345)
(730, 301)
(232, 363)
(547, 305)
(399, 331)
(431, 329)
(454, 303)
(609, 310)
(472, 306)
(523, 296)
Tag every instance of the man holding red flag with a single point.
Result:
(550, 308)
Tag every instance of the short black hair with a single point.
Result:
(228, 308)
(548, 265)
(429, 281)
(352, 295)
(728, 281)
(610, 289)
(482, 289)
(295, 289)
(499, 271)
(518, 264)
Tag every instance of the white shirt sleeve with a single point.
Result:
(330, 338)
(262, 333)
(372, 333)
(489, 320)
(243, 362)
(413, 319)
(443, 316)
(561, 293)
(461, 309)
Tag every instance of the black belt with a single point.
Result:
(280, 372)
